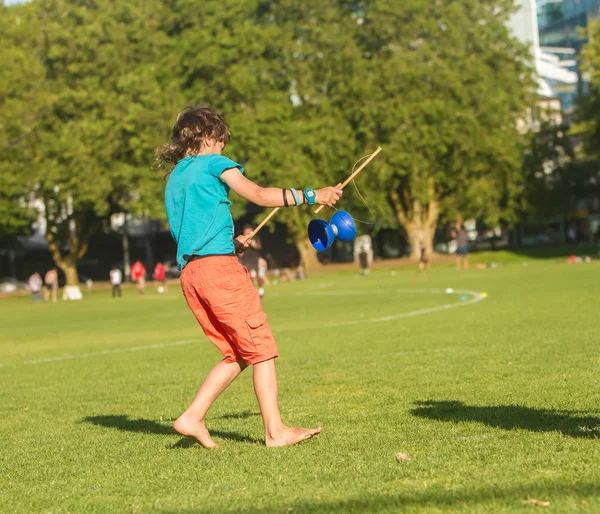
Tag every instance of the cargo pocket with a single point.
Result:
(259, 330)
(256, 320)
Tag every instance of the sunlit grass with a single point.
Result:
(494, 403)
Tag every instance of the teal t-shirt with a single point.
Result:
(198, 208)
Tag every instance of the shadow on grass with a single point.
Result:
(509, 499)
(240, 415)
(510, 417)
(148, 426)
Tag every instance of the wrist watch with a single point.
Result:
(310, 195)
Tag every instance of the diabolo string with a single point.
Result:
(361, 196)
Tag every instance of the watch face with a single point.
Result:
(311, 193)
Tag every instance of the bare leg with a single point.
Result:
(191, 422)
(265, 387)
(466, 263)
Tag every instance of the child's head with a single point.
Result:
(196, 128)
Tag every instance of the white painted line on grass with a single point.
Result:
(477, 297)
(107, 352)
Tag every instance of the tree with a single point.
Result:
(449, 87)
(551, 173)
(83, 130)
(18, 84)
(587, 126)
(440, 85)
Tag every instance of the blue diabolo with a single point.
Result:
(322, 234)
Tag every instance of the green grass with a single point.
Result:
(558, 253)
(495, 402)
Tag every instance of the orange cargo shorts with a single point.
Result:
(220, 293)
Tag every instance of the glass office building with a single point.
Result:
(556, 78)
(560, 21)
(560, 24)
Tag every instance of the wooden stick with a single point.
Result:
(272, 213)
(264, 222)
(360, 168)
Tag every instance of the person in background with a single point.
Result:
(251, 259)
(460, 234)
(363, 261)
(51, 285)
(116, 277)
(263, 268)
(138, 275)
(160, 275)
(35, 284)
(424, 259)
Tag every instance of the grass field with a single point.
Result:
(495, 400)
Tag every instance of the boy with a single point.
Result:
(216, 286)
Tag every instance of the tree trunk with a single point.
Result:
(420, 236)
(308, 255)
(126, 261)
(78, 244)
(418, 220)
(70, 270)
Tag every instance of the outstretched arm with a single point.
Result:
(273, 196)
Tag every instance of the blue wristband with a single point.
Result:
(296, 197)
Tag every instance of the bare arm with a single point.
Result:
(273, 196)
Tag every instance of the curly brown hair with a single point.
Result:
(194, 126)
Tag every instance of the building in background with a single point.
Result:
(553, 75)
(557, 80)
(559, 21)
(560, 24)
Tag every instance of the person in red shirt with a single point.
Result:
(138, 275)
(160, 275)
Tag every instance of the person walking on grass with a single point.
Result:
(217, 288)
(160, 276)
(35, 284)
(116, 277)
(364, 261)
(251, 258)
(138, 275)
(51, 285)
(460, 234)
(424, 259)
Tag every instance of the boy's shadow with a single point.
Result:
(510, 417)
(148, 426)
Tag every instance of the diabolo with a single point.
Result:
(322, 234)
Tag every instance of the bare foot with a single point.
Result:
(189, 427)
(291, 435)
